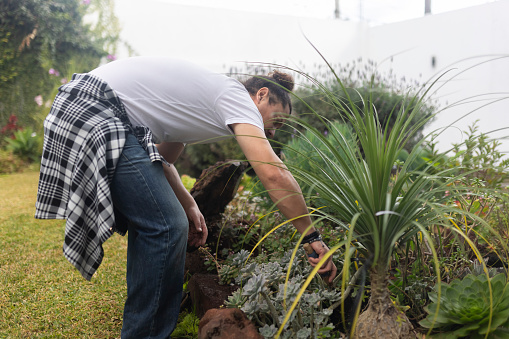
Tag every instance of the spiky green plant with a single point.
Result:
(473, 307)
(308, 144)
(379, 208)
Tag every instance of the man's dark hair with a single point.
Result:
(279, 85)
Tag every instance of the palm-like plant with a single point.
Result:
(379, 209)
(380, 204)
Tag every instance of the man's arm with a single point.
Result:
(280, 184)
(171, 151)
(275, 177)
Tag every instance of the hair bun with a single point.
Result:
(284, 79)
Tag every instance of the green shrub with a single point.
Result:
(187, 181)
(10, 163)
(309, 154)
(42, 42)
(26, 144)
(464, 308)
(187, 326)
(386, 103)
(479, 158)
(482, 169)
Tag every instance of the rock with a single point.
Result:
(228, 323)
(216, 187)
(206, 293)
(195, 263)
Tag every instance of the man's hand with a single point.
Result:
(328, 267)
(197, 228)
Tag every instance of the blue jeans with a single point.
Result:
(157, 239)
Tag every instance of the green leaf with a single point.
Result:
(451, 294)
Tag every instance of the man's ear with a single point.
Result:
(262, 94)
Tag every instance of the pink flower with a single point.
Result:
(53, 71)
(38, 100)
(111, 57)
(86, 2)
(63, 81)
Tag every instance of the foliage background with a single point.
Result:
(42, 42)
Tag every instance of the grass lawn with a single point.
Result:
(41, 294)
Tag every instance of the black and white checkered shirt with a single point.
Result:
(84, 134)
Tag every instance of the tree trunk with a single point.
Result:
(381, 319)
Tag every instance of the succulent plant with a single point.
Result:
(263, 299)
(268, 331)
(239, 259)
(236, 300)
(227, 274)
(255, 286)
(465, 309)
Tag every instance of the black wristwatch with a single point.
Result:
(312, 237)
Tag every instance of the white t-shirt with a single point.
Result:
(179, 101)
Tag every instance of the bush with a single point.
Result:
(480, 159)
(480, 168)
(10, 163)
(308, 154)
(25, 144)
(43, 42)
(8, 130)
(387, 103)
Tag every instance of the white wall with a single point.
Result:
(219, 39)
(458, 40)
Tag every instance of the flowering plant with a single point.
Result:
(11, 127)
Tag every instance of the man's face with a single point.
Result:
(274, 117)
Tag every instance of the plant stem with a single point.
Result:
(271, 308)
(348, 289)
(261, 323)
(214, 259)
(312, 320)
(379, 291)
(299, 318)
(405, 267)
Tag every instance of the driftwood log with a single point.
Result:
(216, 187)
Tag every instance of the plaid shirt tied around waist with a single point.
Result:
(84, 135)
